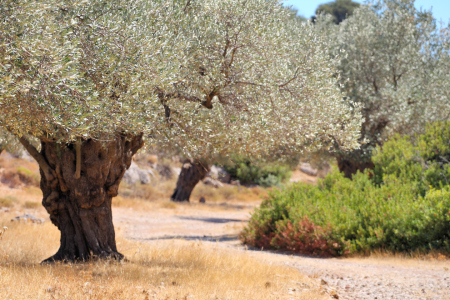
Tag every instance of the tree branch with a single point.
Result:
(78, 159)
(38, 157)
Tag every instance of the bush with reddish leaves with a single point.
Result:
(307, 238)
(303, 238)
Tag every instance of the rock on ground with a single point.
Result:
(219, 173)
(212, 182)
(28, 218)
(308, 169)
(135, 174)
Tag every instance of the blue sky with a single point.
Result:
(441, 8)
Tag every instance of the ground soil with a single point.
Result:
(348, 278)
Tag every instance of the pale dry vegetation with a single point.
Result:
(154, 271)
(16, 172)
(429, 260)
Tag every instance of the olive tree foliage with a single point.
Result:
(91, 79)
(394, 62)
(8, 142)
(74, 68)
(88, 69)
(264, 82)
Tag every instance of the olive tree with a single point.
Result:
(250, 65)
(394, 62)
(91, 80)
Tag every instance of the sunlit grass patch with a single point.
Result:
(31, 205)
(7, 201)
(163, 270)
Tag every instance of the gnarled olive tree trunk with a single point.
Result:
(191, 173)
(350, 166)
(78, 182)
(361, 159)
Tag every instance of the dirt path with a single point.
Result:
(349, 278)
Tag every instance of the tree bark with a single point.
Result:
(80, 206)
(191, 173)
(350, 167)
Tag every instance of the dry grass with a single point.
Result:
(158, 271)
(8, 201)
(429, 259)
(31, 205)
(21, 198)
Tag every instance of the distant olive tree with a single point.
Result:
(91, 80)
(339, 10)
(394, 62)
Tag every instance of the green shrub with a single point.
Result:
(403, 204)
(255, 172)
(434, 147)
(400, 159)
(348, 216)
(425, 163)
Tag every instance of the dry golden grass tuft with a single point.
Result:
(171, 270)
(428, 259)
(31, 205)
(7, 201)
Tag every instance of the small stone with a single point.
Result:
(323, 282)
(202, 200)
(28, 218)
(334, 295)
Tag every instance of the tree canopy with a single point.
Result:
(88, 69)
(339, 9)
(395, 64)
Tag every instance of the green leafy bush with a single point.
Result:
(340, 216)
(403, 204)
(401, 160)
(434, 147)
(251, 172)
(424, 163)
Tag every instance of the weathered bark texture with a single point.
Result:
(350, 167)
(78, 187)
(191, 174)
